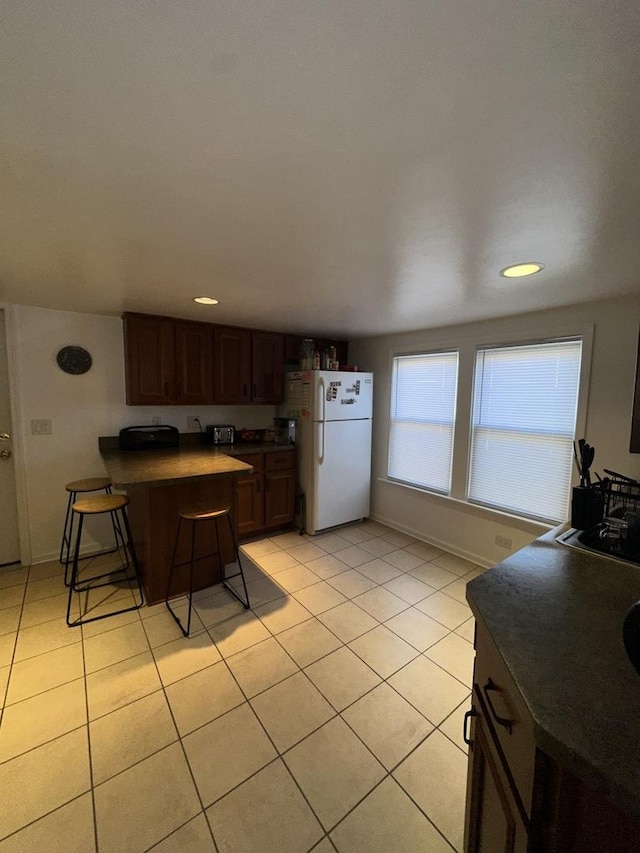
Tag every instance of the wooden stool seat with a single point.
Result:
(111, 504)
(195, 514)
(75, 488)
(99, 504)
(92, 484)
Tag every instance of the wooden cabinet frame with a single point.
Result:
(265, 500)
(168, 362)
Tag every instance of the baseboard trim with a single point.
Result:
(431, 540)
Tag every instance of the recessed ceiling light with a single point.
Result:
(519, 270)
(205, 300)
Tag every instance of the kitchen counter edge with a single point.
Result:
(556, 614)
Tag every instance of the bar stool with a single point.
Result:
(113, 504)
(75, 488)
(195, 515)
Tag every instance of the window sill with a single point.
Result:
(527, 525)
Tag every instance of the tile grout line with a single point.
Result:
(279, 755)
(299, 669)
(339, 714)
(90, 757)
(182, 748)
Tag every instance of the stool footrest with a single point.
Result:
(120, 574)
(89, 584)
(82, 620)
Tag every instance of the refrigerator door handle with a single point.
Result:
(320, 404)
(320, 442)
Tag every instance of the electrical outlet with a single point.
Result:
(193, 423)
(503, 542)
(41, 427)
(156, 420)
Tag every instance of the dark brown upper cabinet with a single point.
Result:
(248, 366)
(168, 362)
(267, 356)
(172, 362)
(232, 360)
(194, 363)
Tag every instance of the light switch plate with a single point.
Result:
(41, 427)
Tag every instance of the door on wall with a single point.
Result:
(9, 543)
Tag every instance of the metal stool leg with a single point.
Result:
(174, 565)
(74, 572)
(132, 561)
(133, 556)
(240, 573)
(67, 538)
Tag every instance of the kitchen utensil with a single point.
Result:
(577, 460)
(587, 462)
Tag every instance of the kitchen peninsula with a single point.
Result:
(554, 760)
(158, 483)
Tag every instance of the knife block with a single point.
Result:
(587, 507)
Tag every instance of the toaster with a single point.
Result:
(220, 434)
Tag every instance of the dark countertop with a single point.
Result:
(191, 460)
(556, 616)
(130, 468)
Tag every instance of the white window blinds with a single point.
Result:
(423, 410)
(524, 417)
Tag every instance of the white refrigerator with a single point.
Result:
(333, 409)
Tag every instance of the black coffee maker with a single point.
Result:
(285, 430)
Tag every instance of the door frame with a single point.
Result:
(15, 407)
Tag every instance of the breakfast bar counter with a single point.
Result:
(134, 468)
(159, 483)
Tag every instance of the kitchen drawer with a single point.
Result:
(280, 460)
(507, 716)
(254, 459)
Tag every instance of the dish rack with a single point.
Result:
(620, 496)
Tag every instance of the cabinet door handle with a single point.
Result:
(465, 727)
(502, 721)
(255, 390)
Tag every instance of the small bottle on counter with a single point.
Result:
(316, 360)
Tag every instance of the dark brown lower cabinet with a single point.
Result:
(494, 823)
(153, 515)
(265, 500)
(249, 504)
(520, 800)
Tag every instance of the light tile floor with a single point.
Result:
(329, 717)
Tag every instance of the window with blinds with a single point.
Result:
(524, 416)
(423, 411)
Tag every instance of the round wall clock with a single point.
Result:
(75, 360)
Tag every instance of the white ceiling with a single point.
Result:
(337, 166)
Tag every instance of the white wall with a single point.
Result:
(81, 409)
(461, 527)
